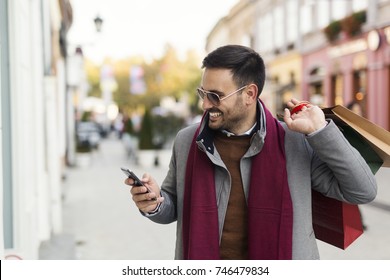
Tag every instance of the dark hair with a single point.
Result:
(246, 65)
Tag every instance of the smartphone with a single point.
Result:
(137, 181)
(130, 174)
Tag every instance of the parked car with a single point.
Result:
(88, 135)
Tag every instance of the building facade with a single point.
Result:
(353, 67)
(303, 62)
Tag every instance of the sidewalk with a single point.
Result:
(102, 222)
(100, 214)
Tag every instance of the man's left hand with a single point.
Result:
(308, 119)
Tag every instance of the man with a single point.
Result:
(239, 183)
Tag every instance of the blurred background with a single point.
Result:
(89, 86)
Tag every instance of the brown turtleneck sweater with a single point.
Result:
(234, 243)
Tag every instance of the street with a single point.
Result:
(103, 222)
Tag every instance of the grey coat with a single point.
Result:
(324, 161)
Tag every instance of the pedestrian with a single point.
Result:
(239, 182)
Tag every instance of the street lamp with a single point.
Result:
(98, 23)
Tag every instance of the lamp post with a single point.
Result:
(98, 23)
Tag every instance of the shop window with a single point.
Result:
(285, 92)
(337, 87)
(316, 91)
(316, 94)
(359, 90)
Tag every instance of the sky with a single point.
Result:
(143, 27)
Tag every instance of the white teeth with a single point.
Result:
(215, 114)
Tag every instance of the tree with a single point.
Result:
(165, 76)
(93, 76)
(146, 132)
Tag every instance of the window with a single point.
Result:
(316, 90)
(359, 89)
(339, 9)
(265, 33)
(306, 17)
(279, 26)
(323, 13)
(337, 88)
(358, 5)
(292, 21)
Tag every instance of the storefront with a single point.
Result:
(284, 74)
(355, 71)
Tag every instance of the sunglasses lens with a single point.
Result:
(201, 93)
(213, 98)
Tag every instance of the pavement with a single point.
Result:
(101, 222)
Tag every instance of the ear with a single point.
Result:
(251, 93)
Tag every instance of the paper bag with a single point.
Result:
(335, 222)
(371, 140)
(339, 223)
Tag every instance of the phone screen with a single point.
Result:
(130, 174)
(137, 181)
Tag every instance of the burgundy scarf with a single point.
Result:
(270, 214)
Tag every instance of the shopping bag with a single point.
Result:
(371, 140)
(335, 222)
(339, 223)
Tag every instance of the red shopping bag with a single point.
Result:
(335, 222)
(339, 223)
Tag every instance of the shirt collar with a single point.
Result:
(248, 132)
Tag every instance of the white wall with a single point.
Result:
(1, 170)
(34, 119)
(22, 126)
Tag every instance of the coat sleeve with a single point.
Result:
(167, 212)
(172, 188)
(338, 169)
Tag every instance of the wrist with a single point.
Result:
(317, 128)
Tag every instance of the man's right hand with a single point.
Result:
(145, 200)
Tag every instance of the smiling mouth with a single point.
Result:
(215, 114)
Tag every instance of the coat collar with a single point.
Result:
(205, 138)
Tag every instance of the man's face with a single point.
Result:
(231, 113)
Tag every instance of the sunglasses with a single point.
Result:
(214, 97)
